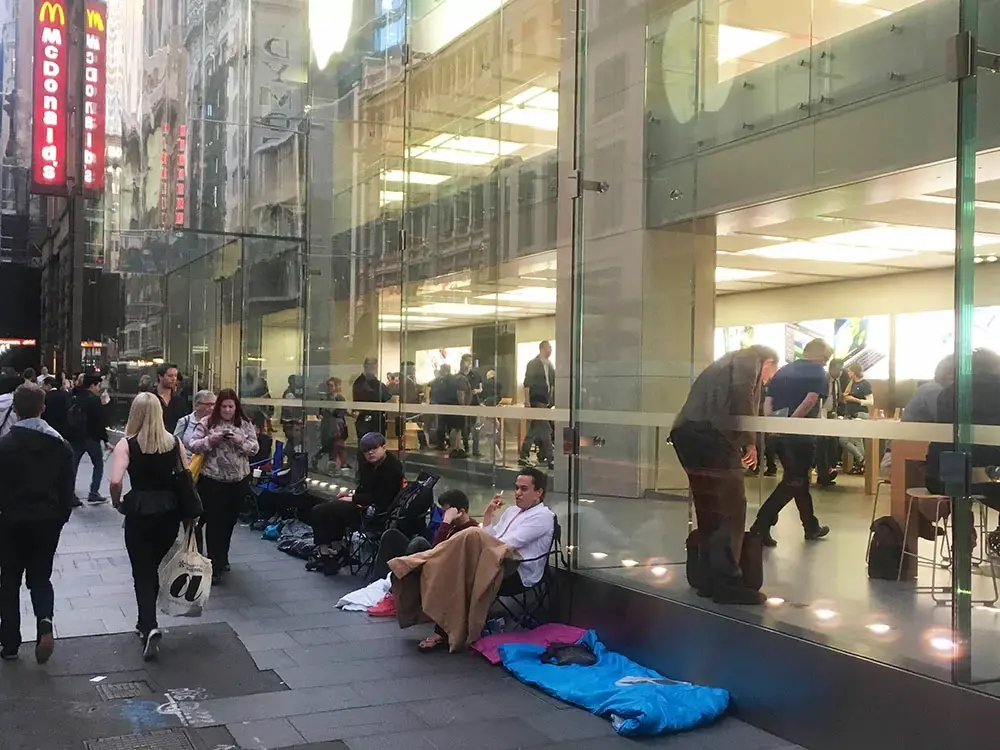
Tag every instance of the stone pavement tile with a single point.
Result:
(369, 629)
(112, 589)
(261, 613)
(277, 705)
(75, 628)
(355, 722)
(309, 606)
(275, 659)
(568, 724)
(267, 641)
(290, 624)
(496, 704)
(306, 656)
(731, 733)
(509, 734)
(320, 636)
(427, 687)
(267, 733)
(97, 602)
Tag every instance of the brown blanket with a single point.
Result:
(453, 584)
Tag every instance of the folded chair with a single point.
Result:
(525, 606)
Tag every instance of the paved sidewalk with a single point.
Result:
(343, 680)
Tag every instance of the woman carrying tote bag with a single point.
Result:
(162, 496)
(227, 439)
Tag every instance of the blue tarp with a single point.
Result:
(638, 701)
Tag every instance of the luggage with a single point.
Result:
(885, 550)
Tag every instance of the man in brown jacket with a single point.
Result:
(714, 451)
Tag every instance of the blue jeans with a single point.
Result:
(93, 449)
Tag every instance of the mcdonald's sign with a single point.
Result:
(49, 108)
(94, 132)
(52, 13)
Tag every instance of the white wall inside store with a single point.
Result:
(281, 350)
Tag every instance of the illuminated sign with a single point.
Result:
(48, 137)
(18, 342)
(94, 97)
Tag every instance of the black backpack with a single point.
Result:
(885, 549)
(76, 421)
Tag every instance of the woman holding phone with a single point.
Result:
(227, 439)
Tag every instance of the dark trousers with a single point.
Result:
(332, 519)
(333, 447)
(469, 430)
(395, 543)
(93, 449)
(715, 473)
(539, 431)
(27, 549)
(827, 453)
(796, 455)
(222, 503)
(148, 539)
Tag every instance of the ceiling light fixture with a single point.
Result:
(527, 294)
(455, 308)
(724, 273)
(457, 149)
(825, 252)
(907, 238)
(736, 41)
(414, 178)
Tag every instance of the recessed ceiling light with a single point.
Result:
(912, 239)
(948, 201)
(458, 149)
(414, 178)
(455, 308)
(825, 252)
(390, 196)
(536, 294)
(724, 273)
(736, 41)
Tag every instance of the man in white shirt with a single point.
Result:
(527, 527)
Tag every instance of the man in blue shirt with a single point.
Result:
(796, 391)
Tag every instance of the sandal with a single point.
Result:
(433, 642)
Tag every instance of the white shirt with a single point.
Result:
(530, 533)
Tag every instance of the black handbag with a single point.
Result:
(188, 499)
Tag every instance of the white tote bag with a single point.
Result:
(185, 580)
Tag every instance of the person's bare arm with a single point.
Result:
(807, 405)
(119, 464)
(495, 504)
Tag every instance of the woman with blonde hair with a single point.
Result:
(153, 507)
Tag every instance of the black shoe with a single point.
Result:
(151, 644)
(216, 578)
(76, 503)
(95, 498)
(767, 540)
(9, 654)
(45, 643)
(225, 567)
(458, 453)
(817, 533)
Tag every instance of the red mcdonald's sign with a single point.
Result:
(48, 137)
(94, 97)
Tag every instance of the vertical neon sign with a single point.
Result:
(48, 137)
(94, 97)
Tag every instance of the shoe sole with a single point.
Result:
(152, 648)
(44, 648)
(814, 537)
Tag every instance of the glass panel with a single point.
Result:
(823, 229)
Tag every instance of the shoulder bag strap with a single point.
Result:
(6, 417)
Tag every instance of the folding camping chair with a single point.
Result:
(525, 605)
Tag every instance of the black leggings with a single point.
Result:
(331, 520)
(394, 544)
(148, 539)
(223, 502)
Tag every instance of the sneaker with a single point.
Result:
(95, 498)
(151, 644)
(767, 540)
(45, 643)
(458, 453)
(8, 654)
(385, 608)
(76, 503)
(817, 533)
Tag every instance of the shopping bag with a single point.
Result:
(197, 461)
(185, 580)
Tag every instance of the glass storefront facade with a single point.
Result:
(310, 189)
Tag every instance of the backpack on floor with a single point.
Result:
(885, 549)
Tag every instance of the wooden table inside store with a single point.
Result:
(907, 471)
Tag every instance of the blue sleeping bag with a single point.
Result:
(638, 701)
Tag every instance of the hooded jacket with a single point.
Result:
(40, 481)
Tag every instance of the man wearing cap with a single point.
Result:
(380, 478)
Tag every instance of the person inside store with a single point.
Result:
(265, 443)
(411, 393)
(204, 405)
(174, 406)
(796, 391)
(828, 448)
(492, 389)
(292, 418)
(857, 400)
(454, 505)
(380, 478)
(439, 392)
(458, 392)
(227, 439)
(985, 405)
(923, 404)
(332, 429)
(474, 393)
(526, 527)
(367, 388)
(539, 393)
(715, 452)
